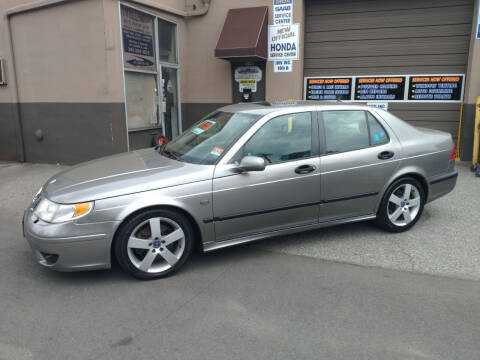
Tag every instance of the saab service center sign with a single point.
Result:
(283, 42)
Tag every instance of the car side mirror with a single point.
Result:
(252, 163)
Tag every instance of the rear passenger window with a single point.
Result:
(378, 135)
(345, 130)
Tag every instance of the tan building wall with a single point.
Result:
(69, 71)
(204, 71)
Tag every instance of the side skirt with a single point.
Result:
(210, 246)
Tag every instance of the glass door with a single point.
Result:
(168, 65)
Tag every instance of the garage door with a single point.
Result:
(392, 37)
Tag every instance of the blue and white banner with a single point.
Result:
(282, 12)
(137, 37)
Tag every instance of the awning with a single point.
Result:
(244, 34)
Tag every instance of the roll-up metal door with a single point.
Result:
(392, 37)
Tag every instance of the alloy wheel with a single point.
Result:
(404, 204)
(156, 245)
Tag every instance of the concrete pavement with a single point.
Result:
(237, 303)
(446, 240)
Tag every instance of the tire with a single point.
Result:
(397, 213)
(154, 243)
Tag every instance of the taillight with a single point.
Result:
(162, 140)
(452, 155)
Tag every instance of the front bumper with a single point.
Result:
(69, 246)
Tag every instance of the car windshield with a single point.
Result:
(209, 138)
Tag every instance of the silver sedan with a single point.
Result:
(242, 173)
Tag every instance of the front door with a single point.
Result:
(360, 157)
(285, 195)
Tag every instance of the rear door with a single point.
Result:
(360, 155)
(285, 195)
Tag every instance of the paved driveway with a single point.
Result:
(244, 302)
(446, 240)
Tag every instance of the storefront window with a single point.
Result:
(142, 107)
(151, 73)
(167, 42)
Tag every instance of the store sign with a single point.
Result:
(379, 88)
(282, 12)
(137, 36)
(247, 84)
(248, 72)
(443, 88)
(283, 42)
(282, 66)
(329, 89)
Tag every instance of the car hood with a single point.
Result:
(122, 174)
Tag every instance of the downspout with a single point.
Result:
(16, 97)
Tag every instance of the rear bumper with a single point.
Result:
(69, 246)
(442, 184)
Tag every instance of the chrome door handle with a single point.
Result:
(305, 169)
(384, 155)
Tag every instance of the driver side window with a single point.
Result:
(284, 138)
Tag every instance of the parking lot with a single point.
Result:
(445, 241)
(255, 301)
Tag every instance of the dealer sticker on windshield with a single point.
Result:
(216, 151)
(203, 126)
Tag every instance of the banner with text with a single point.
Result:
(386, 88)
(137, 36)
(283, 42)
(282, 12)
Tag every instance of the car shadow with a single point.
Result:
(203, 262)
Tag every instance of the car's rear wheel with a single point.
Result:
(402, 205)
(154, 243)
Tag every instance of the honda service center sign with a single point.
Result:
(283, 42)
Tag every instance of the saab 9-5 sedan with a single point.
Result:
(242, 173)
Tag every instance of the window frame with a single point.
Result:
(315, 139)
(323, 138)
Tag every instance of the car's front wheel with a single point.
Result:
(154, 243)
(402, 205)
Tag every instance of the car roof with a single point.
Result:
(267, 107)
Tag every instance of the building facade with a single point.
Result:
(88, 78)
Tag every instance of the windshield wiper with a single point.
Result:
(172, 154)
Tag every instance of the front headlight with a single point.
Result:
(55, 213)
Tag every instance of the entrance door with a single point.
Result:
(170, 102)
(168, 65)
(285, 195)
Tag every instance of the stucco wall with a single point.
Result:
(209, 78)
